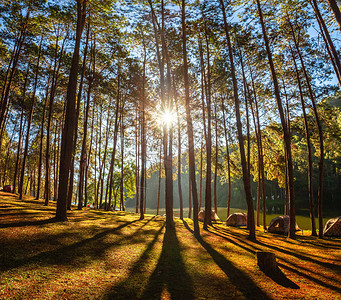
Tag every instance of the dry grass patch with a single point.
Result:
(114, 255)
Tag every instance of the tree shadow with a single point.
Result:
(170, 272)
(301, 256)
(28, 223)
(64, 254)
(129, 288)
(276, 276)
(280, 278)
(237, 277)
(297, 254)
(315, 280)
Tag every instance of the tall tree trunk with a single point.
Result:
(246, 97)
(168, 129)
(179, 164)
(137, 160)
(310, 160)
(159, 184)
(327, 39)
(84, 150)
(287, 138)
(42, 139)
(259, 183)
(83, 157)
(320, 133)
(228, 160)
(55, 76)
(203, 85)
(261, 156)
(189, 123)
(335, 8)
(56, 155)
(70, 116)
(29, 121)
(167, 132)
(20, 136)
(143, 143)
(122, 161)
(189, 196)
(200, 183)
(107, 134)
(145, 189)
(96, 153)
(215, 161)
(7, 85)
(246, 174)
(208, 190)
(6, 163)
(75, 137)
(87, 160)
(113, 154)
(18, 151)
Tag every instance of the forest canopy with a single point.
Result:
(173, 104)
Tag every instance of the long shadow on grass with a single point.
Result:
(170, 272)
(64, 254)
(300, 256)
(132, 285)
(325, 242)
(28, 223)
(242, 240)
(243, 282)
(317, 281)
(276, 276)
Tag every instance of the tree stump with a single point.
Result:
(266, 261)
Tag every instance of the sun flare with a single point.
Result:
(167, 118)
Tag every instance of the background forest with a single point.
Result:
(130, 90)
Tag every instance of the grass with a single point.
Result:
(114, 255)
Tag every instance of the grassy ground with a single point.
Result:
(114, 255)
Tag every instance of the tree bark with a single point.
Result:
(246, 174)
(328, 41)
(75, 137)
(159, 183)
(335, 8)
(208, 190)
(29, 121)
(70, 116)
(261, 156)
(55, 75)
(179, 164)
(310, 160)
(189, 123)
(287, 137)
(42, 139)
(143, 134)
(215, 161)
(189, 196)
(228, 160)
(87, 160)
(137, 160)
(122, 162)
(113, 154)
(7, 85)
(320, 133)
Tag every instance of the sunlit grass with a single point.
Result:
(114, 255)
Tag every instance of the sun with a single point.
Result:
(167, 118)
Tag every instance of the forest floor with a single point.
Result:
(114, 255)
